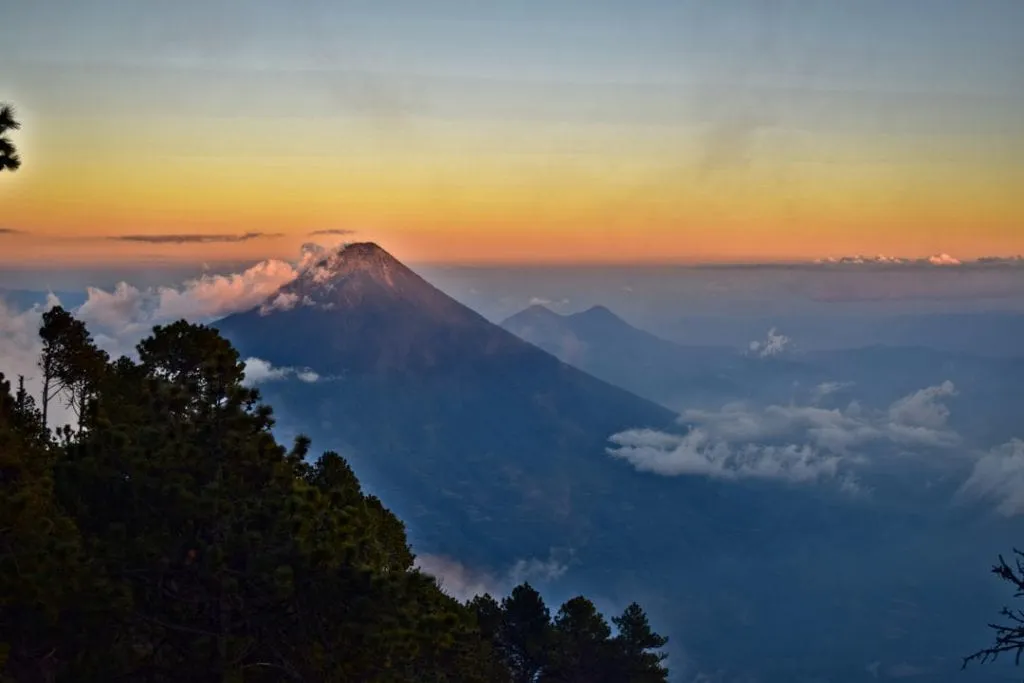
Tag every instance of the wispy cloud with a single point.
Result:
(332, 231)
(11, 231)
(788, 443)
(259, 371)
(774, 345)
(464, 583)
(193, 238)
(826, 389)
(550, 303)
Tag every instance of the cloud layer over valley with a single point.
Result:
(798, 444)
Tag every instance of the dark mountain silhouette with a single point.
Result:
(482, 440)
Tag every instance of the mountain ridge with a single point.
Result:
(481, 433)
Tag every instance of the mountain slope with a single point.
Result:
(494, 451)
(479, 437)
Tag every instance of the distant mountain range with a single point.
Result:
(603, 344)
(680, 376)
(494, 451)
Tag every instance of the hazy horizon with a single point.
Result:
(658, 131)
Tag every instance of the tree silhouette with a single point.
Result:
(170, 537)
(9, 160)
(1009, 636)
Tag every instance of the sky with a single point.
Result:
(597, 131)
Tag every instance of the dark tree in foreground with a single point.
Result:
(1009, 635)
(167, 536)
(9, 160)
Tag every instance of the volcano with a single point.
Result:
(485, 443)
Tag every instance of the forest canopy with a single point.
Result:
(164, 535)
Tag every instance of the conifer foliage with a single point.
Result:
(9, 159)
(164, 535)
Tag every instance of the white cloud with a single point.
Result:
(259, 371)
(464, 583)
(797, 444)
(880, 259)
(773, 346)
(998, 476)
(119, 318)
(923, 408)
(285, 301)
(550, 303)
(307, 375)
(697, 453)
(456, 579)
(938, 260)
(944, 260)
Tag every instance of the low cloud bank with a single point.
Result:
(939, 260)
(788, 443)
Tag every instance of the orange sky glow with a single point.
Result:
(441, 194)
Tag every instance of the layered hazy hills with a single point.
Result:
(603, 344)
(478, 437)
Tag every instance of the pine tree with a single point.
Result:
(170, 537)
(9, 159)
(525, 634)
(582, 647)
(636, 645)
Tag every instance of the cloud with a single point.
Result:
(464, 583)
(944, 260)
(11, 231)
(193, 238)
(259, 371)
(826, 389)
(541, 301)
(1001, 260)
(858, 260)
(285, 301)
(118, 318)
(458, 580)
(332, 231)
(697, 453)
(773, 346)
(939, 260)
(923, 408)
(789, 443)
(998, 476)
(128, 313)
